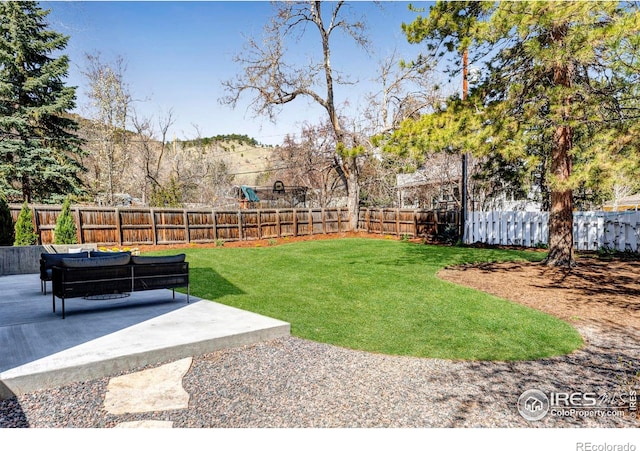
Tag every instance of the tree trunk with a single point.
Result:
(561, 215)
(26, 188)
(353, 192)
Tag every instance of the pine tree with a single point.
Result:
(560, 93)
(65, 231)
(6, 223)
(169, 196)
(25, 234)
(38, 148)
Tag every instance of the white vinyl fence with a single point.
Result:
(592, 230)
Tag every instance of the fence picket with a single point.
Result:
(511, 228)
(633, 231)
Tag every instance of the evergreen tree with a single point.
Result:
(25, 234)
(38, 148)
(560, 93)
(65, 231)
(169, 196)
(6, 223)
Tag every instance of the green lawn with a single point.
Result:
(380, 296)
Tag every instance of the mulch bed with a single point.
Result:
(604, 292)
(265, 242)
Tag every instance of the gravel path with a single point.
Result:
(297, 383)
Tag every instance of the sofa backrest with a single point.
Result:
(50, 260)
(154, 260)
(114, 260)
(100, 254)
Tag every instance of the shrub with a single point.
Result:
(448, 235)
(25, 233)
(65, 231)
(7, 233)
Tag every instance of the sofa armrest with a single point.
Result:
(48, 261)
(160, 275)
(71, 282)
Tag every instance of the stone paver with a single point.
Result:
(150, 390)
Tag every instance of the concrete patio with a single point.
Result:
(38, 349)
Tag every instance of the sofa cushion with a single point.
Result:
(100, 254)
(55, 259)
(116, 260)
(151, 260)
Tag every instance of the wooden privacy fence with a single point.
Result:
(592, 230)
(151, 226)
(430, 224)
(137, 226)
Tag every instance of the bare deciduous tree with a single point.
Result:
(405, 91)
(149, 150)
(110, 101)
(310, 162)
(274, 82)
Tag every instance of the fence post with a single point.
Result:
(295, 222)
(154, 232)
(79, 234)
(239, 225)
(118, 227)
(187, 234)
(367, 220)
(215, 225)
(36, 221)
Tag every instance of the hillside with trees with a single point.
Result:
(152, 169)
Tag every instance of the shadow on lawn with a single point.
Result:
(441, 255)
(208, 284)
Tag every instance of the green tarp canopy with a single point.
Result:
(249, 194)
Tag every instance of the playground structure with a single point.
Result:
(274, 196)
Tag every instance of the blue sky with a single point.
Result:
(178, 53)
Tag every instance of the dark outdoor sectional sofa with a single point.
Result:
(105, 275)
(48, 261)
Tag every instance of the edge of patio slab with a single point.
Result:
(198, 328)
